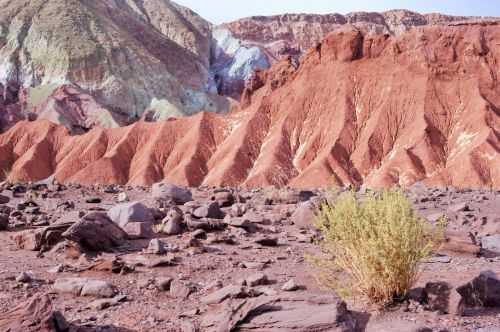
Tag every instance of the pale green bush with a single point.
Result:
(373, 246)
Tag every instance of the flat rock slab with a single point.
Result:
(300, 312)
(96, 232)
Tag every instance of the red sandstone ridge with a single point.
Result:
(361, 108)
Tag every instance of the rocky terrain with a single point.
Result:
(361, 109)
(112, 258)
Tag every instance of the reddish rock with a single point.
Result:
(35, 315)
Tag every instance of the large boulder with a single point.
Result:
(96, 232)
(482, 291)
(293, 312)
(35, 315)
(134, 217)
(169, 192)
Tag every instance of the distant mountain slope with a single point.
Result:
(257, 42)
(130, 55)
(378, 110)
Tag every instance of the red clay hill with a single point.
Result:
(378, 110)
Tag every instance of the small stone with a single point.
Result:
(84, 287)
(172, 226)
(163, 284)
(290, 286)
(56, 269)
(122, 197)
(460, 207)
(24, 277)
(491, 243)
(256, 279)
(224, 198)
(169, 192)
(180, 290)
(93, 200)
(439, 259)
(438, 296)
(267, 241)
(188, 326)
(211, 210)
(265, 291)
(155, 247)
(102, 304)
(4, 222)
(232, 291)
(238, 210)
(199, 234)
(4, 199)
(98, 288)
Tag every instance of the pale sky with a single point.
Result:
(219, 11)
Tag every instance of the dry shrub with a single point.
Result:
(373, 246)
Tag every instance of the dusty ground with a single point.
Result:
(149, 309)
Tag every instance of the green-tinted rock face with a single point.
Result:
(128, 54)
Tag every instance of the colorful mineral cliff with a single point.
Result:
(360, 109)
(130, 56)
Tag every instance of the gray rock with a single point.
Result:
(96, 232)
(188, 326)
(93, 200)
(438, 296)
(4, 199)
(231, 291)
(4, 222)
(139, 230)
(24, 277)
(304, 215)
(482, 291)
(491, 243)
(209, 210)
(163, 284)
(102, 304)
(180, 290)
(257, 279)
(155, 247)
(84, 287)
(267, 241)
(439, 259)
(290, 286)
(122, 197)
(125, 213)
(238, 210)
(169, 192)
(98, 288)
(240, 222)
(459, 207)
(297, 312)
(434, 217)
(224, 198)
(173, 223)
